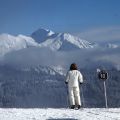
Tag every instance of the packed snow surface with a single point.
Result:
(60, 114)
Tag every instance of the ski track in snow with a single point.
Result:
(60, 114)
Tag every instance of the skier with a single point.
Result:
(73, 78)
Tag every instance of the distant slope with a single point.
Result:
(43, 87)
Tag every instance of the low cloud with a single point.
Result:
(89, 58)
(103, 34)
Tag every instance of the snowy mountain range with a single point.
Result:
(59, 41)
(42, 38)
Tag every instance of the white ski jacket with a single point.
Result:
(73, 78)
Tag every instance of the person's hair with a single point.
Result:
(73, 66)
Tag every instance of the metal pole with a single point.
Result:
(105, 93)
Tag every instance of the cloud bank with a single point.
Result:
(103, 34)
(89, 58)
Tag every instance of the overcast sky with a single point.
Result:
(74, 16)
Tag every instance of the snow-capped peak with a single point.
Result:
(65, 41)
(49, 32)
(76, 41)
(41, 35)
(59, 41)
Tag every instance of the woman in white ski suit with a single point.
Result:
(72, 79)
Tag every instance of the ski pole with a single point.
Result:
(67, 95)
(82, 96)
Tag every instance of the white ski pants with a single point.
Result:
(74, 95)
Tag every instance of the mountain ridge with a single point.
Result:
(42, 38)
(59, 41)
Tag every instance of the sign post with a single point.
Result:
(103, 75)
(105, 93)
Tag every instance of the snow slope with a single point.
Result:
(59, 114)
(10, 43)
